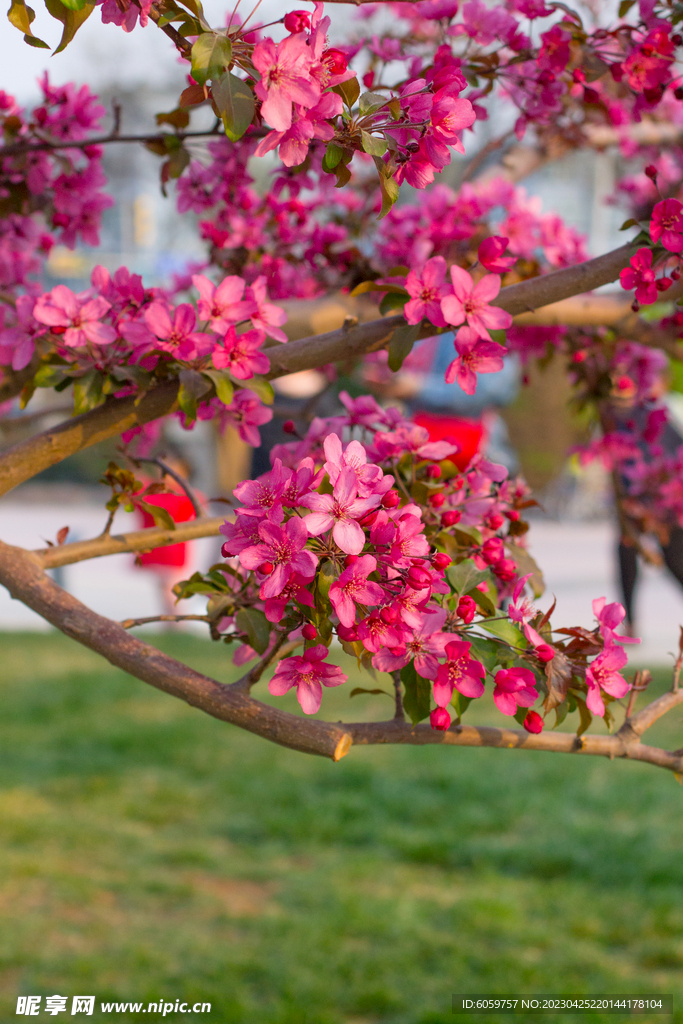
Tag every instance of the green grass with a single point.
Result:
(151, 852)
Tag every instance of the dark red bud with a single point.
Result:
(368, 519)
(675, 275)
(309, 632)
(677, 40)
(466, 609)
(441, 560)
(440, 719)
(388, 616)
(437, 500)
(266, 568)
(663, 284)
(350, 560)
(224, 551)
(678, 93)
(451, 518)
(288, 427)
(545, 653)
(580, 356)
(347, 633)
(651, 171)
(391, 498)
(335, 60)
(635, 306)
(533, 722)
(495, 521)
(418, 578)
(512, 514)
(434, 472)
(58, 330)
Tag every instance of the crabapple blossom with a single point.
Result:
(470, 302)
(308, 674)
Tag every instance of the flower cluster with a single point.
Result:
(380, 541)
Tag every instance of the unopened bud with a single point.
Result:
(391, 498)
(266, 568)
(635, 306)
(437, 500)
(434, 472)
(224, 551)
(388, 616)
(297, 21)
(440, 719)
(651, 171)
(512, 514)
(288, 427)
(663, 284)
(545, 653)
(677, 40)
(675, 275)
(350, 560)
(451, 518)
(495, 521)
(347, 633)
(418, 578)
(441, 560)
(678, 93)
(533, 722)
(309, 632)
(466, 609)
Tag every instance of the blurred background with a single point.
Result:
(150, 852)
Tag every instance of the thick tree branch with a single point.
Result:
(22, 574)
(139, 540)
(28, 458)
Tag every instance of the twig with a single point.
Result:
(641, 681)
(279, 650)
(678, 665)
(130, 623)
(167, 471)
(18, 148)
(109, 523)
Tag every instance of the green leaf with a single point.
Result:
(359, 689)
(325, 579)
(235, 103)
(224, 386)
(630, 223)
(560, 714)
(498, 337)
(211, 54)
(371, 101)
(87, 392)
(584, 715)
(73, 5)
(71, 20)
(349, 91)
(624, 7)
(254, 623)
(465, 576)
(401, 344)
(486, 651)
(261, 387)
(372, 144)
(484, 602)
(393, 300)
(388, 187)
(460, 703)
(333, 155)
(161, 516)
(22, 16)
(506, 630)
(417, 694)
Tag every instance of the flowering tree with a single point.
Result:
(365, 529)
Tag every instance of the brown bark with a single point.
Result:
(22, 574)
(26, 459)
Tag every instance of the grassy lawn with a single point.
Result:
(149, 852)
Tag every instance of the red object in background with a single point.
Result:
(180, 509)
(467, 434)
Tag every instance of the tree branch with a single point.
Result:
(22, 574)
(139, 540)
(19, 148)
(25, 460)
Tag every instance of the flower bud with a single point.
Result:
(297, 21)
(434, 472)
(635, 306)
(309, 632)
(678, 93)
(350, 560)
(391, 498)
(675, 275)
(451, 518)
(224, 551)
(505, 570)
(369, 518)
(369, 79)
(533, 722)
(437, 500)
(545, 653)
(495, 521)
(580, 356)
(347, 633)
(441, 560)
(663, 284)
(466, 609)
(266, 568)
(58, 330)
(512, 514)
(388, 616)
(288, 427)
(440, 719)
(492, 550)
(335, 61)
(418, 578)
(677, 40)
(651, 171)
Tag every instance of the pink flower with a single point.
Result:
(474, 356)
(491, 255)
(297, 589)
(242, 355)
(178, 335)
(17, 343)
(285, 72)
(426, 291)
(515, 687)
(285, 549)
(80, 316)
(339, 511)
(424, 644)
(460, 673)
(521, 610)
(261, 496)
(469, 302)
(375, 634)
(610, 617)
(603, 673)
(247, 413)
(640, 276)
(309, 674)
(267, 317)
(353, 587)
(222, 306)
(667, 224)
